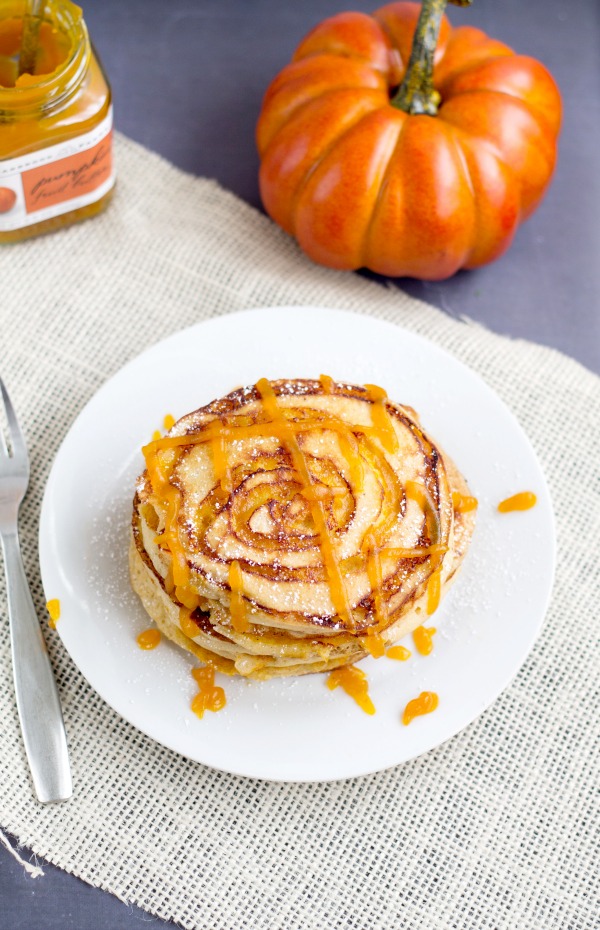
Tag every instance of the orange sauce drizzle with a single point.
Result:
(349, 447)
(337, 587)
(169, 422)
(463, 503)
(382, 420)
(149, 639)
(186, 624)
(374, 644)
(354, 682)
(419, 493)
(53, 608)
(168, 580)
(170, 537)
(376, 581)
(326, 384)
(426, 703)
(187, 597)
(161, 455)
(237, 607)
(525, 500)
(218, 446)
(210, 696)
(156, 435)
(434, 591)
(401, 653)
(423, 639)
(417, 552)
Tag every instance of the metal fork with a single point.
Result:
(37, 696)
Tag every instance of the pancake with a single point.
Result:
(295, 527)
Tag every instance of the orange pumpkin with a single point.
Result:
(408, 163)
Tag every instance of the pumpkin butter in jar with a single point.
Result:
(56, 164)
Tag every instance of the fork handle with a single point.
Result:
(38, 702)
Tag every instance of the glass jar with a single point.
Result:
(56, 164)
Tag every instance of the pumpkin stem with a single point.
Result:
(416, 93)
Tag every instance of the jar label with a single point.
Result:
(57, 179)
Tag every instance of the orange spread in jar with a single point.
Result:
(210, 696)
(62, 97)
(525, 500)
(149, 639)
(426, 703)
(354, 682)
(53, 608)
(423, 639)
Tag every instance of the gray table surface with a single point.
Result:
(188, 78)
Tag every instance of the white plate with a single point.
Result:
(296, 730)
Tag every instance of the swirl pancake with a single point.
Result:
(295, 526)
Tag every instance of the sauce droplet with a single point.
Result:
(354, 682)
(149, 639)
(423, 639)
(156, 435)
(426, 703)
(463, 503)
(169, 422)
(401, 653)
(210, 696)
(525, 500)
(53, 608)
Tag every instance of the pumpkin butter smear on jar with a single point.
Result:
(56, 164)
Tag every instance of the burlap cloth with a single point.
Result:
(495, 829)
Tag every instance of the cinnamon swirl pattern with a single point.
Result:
(295, 526)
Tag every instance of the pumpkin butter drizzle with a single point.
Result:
(337, 587)
(382, 421)
(419, 493)
(237, 607)
(217, 434)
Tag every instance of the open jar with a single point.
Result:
(56, 164)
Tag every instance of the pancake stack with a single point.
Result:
(296, 526)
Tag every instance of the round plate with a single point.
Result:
(296, 729)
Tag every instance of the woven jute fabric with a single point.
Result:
(496, 829)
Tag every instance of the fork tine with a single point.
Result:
(17, 440)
